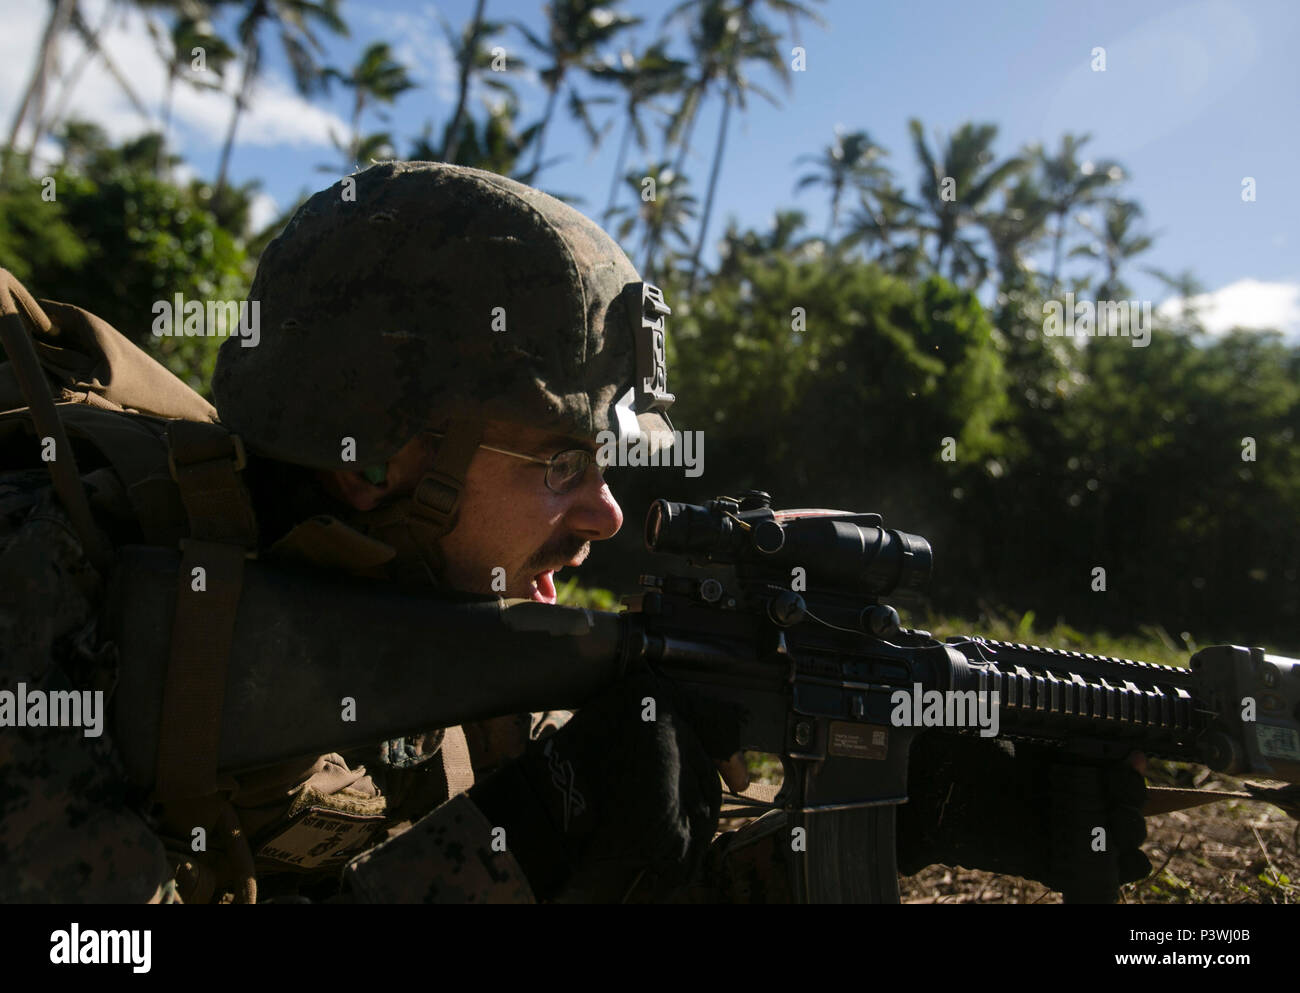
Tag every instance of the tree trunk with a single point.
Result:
(34, 97)
(618, 167)
(46, 125)
(541, 132)
(91, 41)
(166, 118)
(357, 106)
(651, 240)
(718, 151)
(451, 145)
(685, 144)
(250, 60)
(1056, 247)
(837, 189)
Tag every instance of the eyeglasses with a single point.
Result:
(564, 470)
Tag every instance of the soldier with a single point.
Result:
(439, 349)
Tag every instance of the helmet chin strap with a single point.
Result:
(414, 525)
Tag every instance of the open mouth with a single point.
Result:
(544, 587)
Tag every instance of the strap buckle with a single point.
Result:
(437, 498)
(241, 458)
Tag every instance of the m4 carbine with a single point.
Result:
(797, 642)
(827, 679)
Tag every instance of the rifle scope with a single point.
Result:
(840, 551)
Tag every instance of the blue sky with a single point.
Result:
(1195, 97)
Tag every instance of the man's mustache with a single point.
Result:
(559, 551)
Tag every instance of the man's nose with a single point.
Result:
(593, 512)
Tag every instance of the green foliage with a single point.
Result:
(570, 594)
(1159, 460)
(34, 234)
(807, 365)
(116, 239)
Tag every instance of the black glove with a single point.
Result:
(1023, 810)
(613, 796)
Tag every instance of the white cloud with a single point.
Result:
(262, 211)
(421, 46)
(1247, 303)
(276, 116)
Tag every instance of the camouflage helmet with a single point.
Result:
(416, 292)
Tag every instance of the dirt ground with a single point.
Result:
(1232, 851)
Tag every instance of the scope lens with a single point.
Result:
(654, 523)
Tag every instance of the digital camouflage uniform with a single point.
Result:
(71, 830)
(376, 313)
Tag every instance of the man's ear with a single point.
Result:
(354, 489)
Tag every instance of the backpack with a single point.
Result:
(113, 405)
(113, 400)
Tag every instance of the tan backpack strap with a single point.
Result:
(205, 461)
(455, 761)
(207, 597)
(35, 387)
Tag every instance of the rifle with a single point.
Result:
(799, 642)
(831, 682)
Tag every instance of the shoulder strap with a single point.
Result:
(205, 460)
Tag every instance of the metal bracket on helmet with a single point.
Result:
(625, 422)
(651, 384)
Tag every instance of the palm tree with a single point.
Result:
(68, 82)
(1118, 244)
(664, 216)
(1016, 230)
(881, 218)
(361, 148)
(63, 18)
(851, 162)
(576, 29)
(495, 145)
(188, 31)
(294, 20)
(712, 28)
(642, 77)
(779, 241)
(473, 50)
(1068, 184)
(467, 48)
(43, 71)
(966, 159)
(744, 39)
(1186, 287)
(376, 78)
